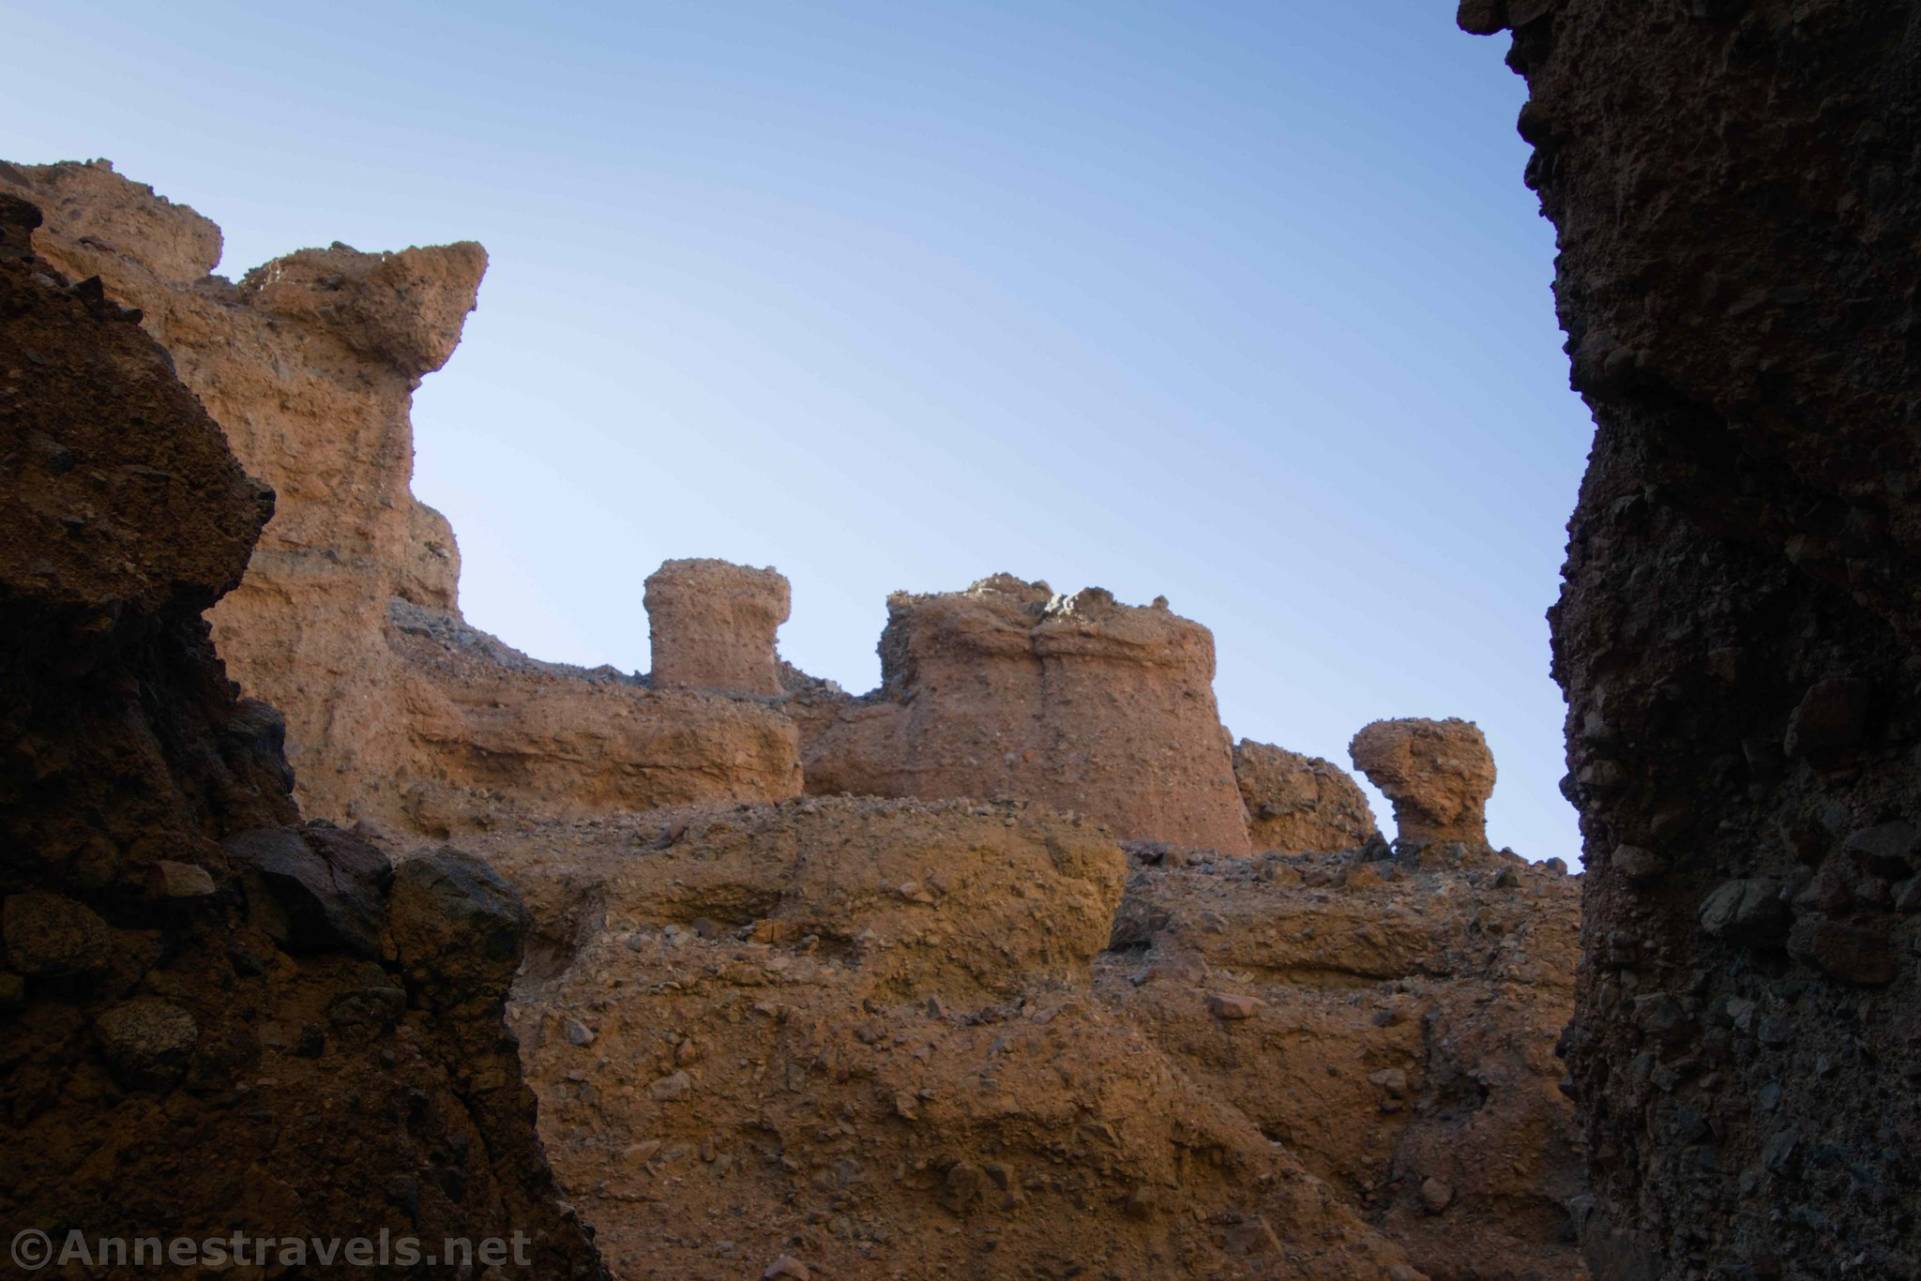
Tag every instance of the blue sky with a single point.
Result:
(1242, 303)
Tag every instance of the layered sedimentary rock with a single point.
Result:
(1394, 1027)
(214, 1021)
(493, 733)
(1437, 774)
(860, 1038)
(712, 624)
(1301, 804)
(908, 1039)
(1736, 192)
(1007, 691)
(346, 619)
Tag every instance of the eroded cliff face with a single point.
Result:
(1735, 188)
(1393, 1026)
(402, 714)
(214, 1020)
(842, 1036)
(885, 1039)
(1300, 804)
(346, 620)
(1007, 691)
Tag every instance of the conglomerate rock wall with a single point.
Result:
(346, 619)
(1737, 191)
(212, 1021)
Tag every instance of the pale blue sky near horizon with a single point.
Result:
(1240, 303)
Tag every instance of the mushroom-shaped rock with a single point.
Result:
(1438, 774)
(1301, 804)
(712, 625)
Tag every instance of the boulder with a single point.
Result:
(148, 1042)
(457, 925)
(50, 934)
(325, 890)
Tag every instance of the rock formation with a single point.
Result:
(1392, 1026)
(712, 626)
(1301, 804)
(346, 620)
(1437, 774)
(492, 733)
(1735, 191)
(402, 714)
(215, 1021)
(953, 1032)
(899, 1038)
(1007, 691)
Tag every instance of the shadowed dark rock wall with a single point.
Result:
(1735, 188)
(211, 1021)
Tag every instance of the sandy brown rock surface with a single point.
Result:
(903, 1039)
(496, 734)
(1300, 804)
(346, 619)
(1392, 1027)
(211, 1020)
(1007, 691)
(712, 626)
(960, 1032)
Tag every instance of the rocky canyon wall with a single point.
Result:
(1298, 803)
(346, 620)
(872, 1039)
(962, 1029)
(212, 1021)
(1735, 191)
(402, 714)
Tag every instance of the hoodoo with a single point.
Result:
(712, 626)
(1437, 774)
(1007, 690)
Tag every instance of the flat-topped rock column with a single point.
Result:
(712, 625)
